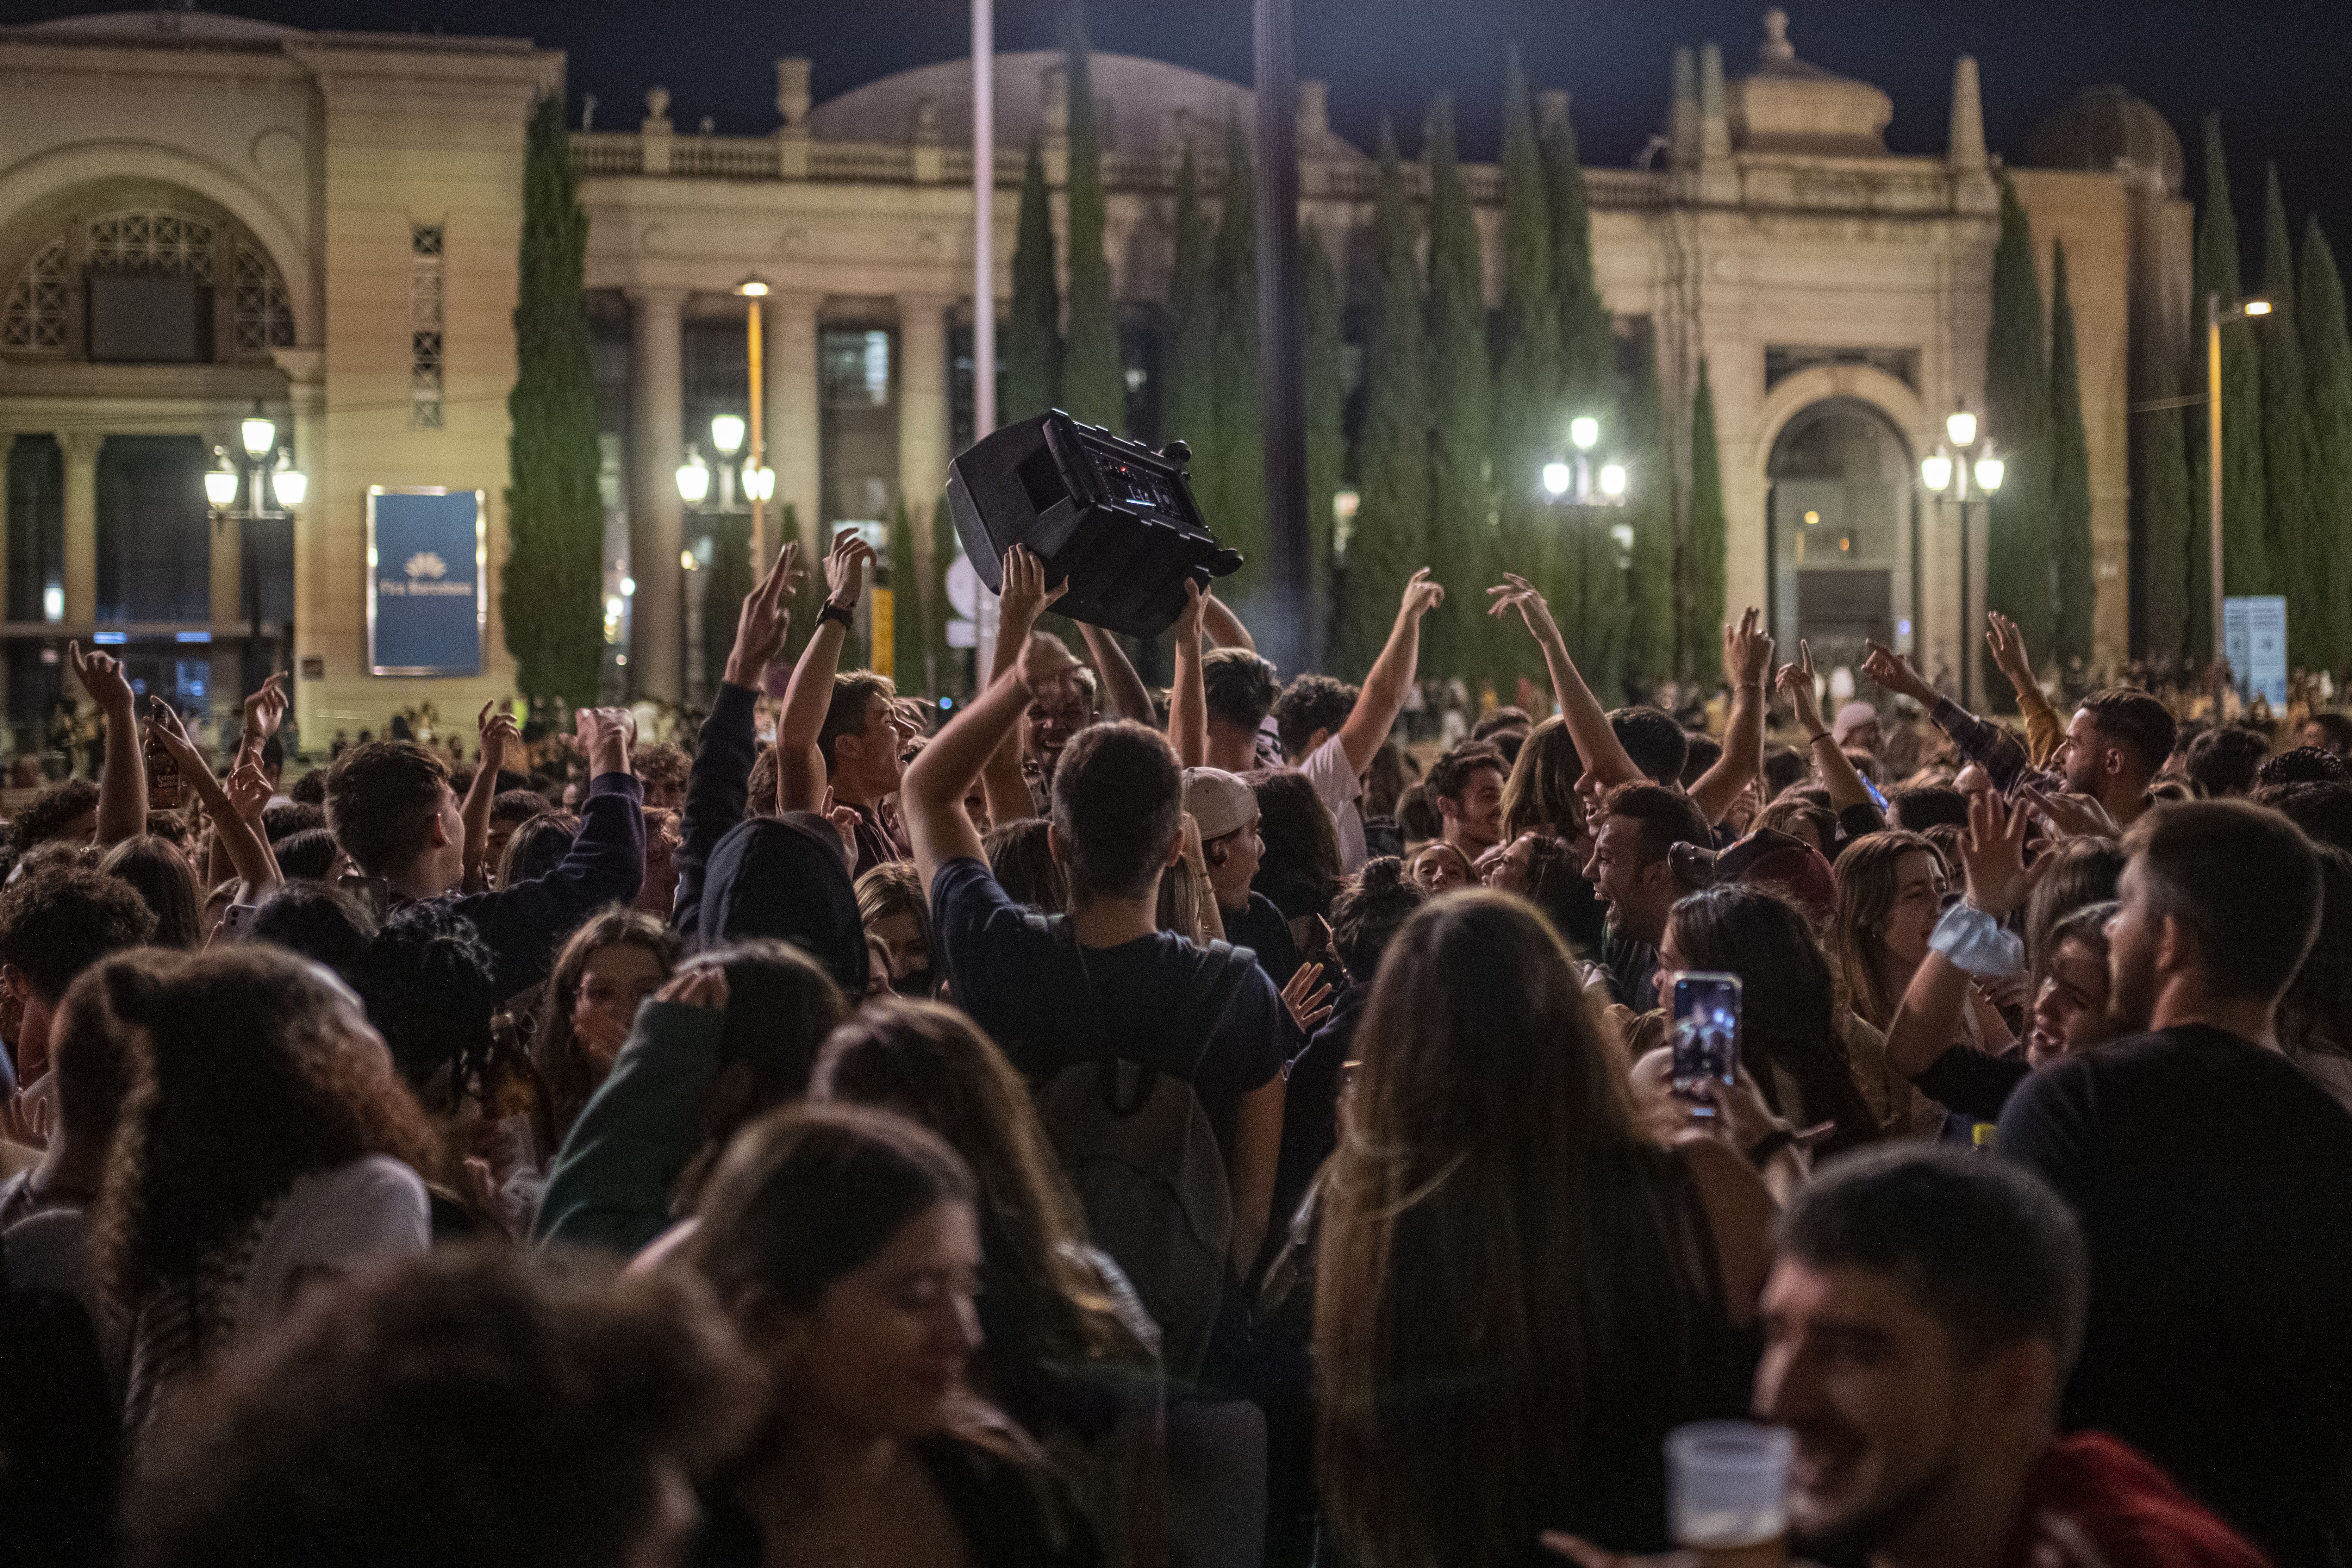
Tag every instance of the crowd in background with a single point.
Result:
(1238, 1123)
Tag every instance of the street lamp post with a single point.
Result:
(2214, 317)
(1945, 474)
(1579, 481)
(288, 486)
(753, 289)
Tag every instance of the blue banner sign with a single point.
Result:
(426, 592)
(2253, 639)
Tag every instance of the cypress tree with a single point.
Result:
(551, 593)
(1390, 543)
(2017, 416)
(1094, 379)
(1462, 509)
(1238, 470)
(2070, 482)
(1649, 511)
(724, 582)
(1033, 356)
(908, 610)
(1527, 381)
(2244, 510)
(1703, 546)
(1327, 438)
(946, 668)
(2297, 568)
(2327, 367)
(1189, 412)
(2160, 479)
(1588, 355)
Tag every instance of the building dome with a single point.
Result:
(159, 26)
(1144, 105)
(2106, 129)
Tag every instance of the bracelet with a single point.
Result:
(833, 612)
(1760, 1153)
(1817, 740)
(1749, 686)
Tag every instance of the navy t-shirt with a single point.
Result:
(2213, 1180)
(1050, 1003)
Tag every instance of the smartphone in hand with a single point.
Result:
(1703, 1009)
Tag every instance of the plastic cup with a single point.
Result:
(1727, 1483)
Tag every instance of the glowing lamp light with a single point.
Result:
(2258, 306)
(1989, 471)
(693, 480)
(687, 562)
(1612, 479)
(1585, 431)
(289, 483)
(1555, 478)
(727, 433)
(1936, 470)
(220, 480)
(628, 586)
(1962, 428)
(258, 434)
(760, 484)
(752, 287)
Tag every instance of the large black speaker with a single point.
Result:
(1113, 516)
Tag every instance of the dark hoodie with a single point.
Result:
(784, 877)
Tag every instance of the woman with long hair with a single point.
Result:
(1068, 1351)
(846, 1243)
(1890, 891)
(1022, 865)
(898, 916)
(1517, 1294)
(1299, 869)
(1794, 1037)
(588, 1004)
(156, 868)
(264, 1140)
(1540, 796)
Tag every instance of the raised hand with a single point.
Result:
(265, 710)
(1045, 662)
(495, 734)
(1796, 683)
(1307, 1000)
(844, 569)
(2073, 816)
(1747, 649)
(1421, 596)
(163, 723)
(766, 617)
(604, 736)
(1993, 854)
(1188, 619)
(248, 792)
(703, 986)
(2007, 644)
(1515, 593)
(1892, 671)
(1024, 595)
(102, 676)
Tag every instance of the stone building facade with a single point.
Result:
(1840, 295)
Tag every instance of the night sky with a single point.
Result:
(2277, 70)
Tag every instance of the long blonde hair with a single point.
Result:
(1867, 876)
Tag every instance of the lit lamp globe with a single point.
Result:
(1935, 472)
(1585, 431)
(1612, 480)
(1556, 478)
(727, 434)
(1990, 473)
(220, 480)
(760, 484)
(693, 480)
(258, 434)
(289, 483)
(1961, 427)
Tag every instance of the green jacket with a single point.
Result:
(611, 1183)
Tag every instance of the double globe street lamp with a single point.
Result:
(1580, 483)
(1946, 474)
(277, 501)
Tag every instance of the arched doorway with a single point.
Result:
(1840, 535)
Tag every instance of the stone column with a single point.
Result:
(228, 614)
(657, 444)
(923, 418)
(795, 443)
(82, 530)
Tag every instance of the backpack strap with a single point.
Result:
(1213, 986)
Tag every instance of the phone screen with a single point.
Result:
(1705, 1027)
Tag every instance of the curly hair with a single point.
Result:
(430, 984)
(1371, 906)
(51, 813)
(564, 1070)
(246, 1070)
(1310, 703)
(56, 920)
(662, 769)
(475, 1405)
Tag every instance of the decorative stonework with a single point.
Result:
(34, 320)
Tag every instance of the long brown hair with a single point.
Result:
(1866, 879)
(568, 1077)
(243, 1075)
(1508, 1274)
(934, 1065)
(1540, 794)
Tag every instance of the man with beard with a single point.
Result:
(1919, 1321)
(2213, 1179)
(1466, 784)
(1638, 826)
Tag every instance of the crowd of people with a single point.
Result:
(1131, 1127)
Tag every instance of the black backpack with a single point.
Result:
(1138, 1149)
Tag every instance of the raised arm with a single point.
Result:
(1188, 700)
(800, 765)
(1224, 628)
(1993, 854)
(122, 779)
(1024, 597)
(1130, 697)
(2007, 644)
(2001, 754)
(1605, 762)
(931, 797)
(1747, 660)
(729, 745)
(1829, 759)
(494, 732)
(240, 836)
(1390, 677)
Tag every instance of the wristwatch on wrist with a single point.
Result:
(836, 612)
